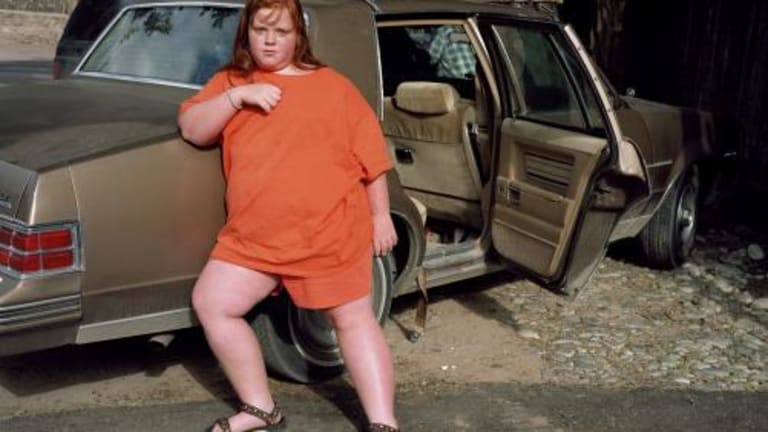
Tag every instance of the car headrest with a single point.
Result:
(424, 97)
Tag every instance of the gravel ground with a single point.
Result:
(701, 327)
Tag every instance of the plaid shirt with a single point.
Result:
(455, 59)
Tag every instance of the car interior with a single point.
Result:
(437, 125)
(437, 129)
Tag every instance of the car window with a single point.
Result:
(594, 114)
(437, 53)
(180, 44)
(540, 78)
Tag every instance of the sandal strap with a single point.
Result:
(223, 424)
(270, 418)
(380, 427)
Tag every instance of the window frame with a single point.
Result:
(512, 95)
(78, 71)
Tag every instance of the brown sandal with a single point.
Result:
(380, 427)
(273, 420)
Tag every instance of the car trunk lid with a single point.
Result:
(54, 123)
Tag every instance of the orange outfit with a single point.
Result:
(296, 200)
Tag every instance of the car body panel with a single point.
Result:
(184, 188)
(44, 130)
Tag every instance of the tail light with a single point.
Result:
(38, 250)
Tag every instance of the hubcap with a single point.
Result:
(686, 217)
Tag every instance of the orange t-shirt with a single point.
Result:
(296, 198)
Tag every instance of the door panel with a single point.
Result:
(542, 178)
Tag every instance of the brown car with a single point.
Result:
(511, 151)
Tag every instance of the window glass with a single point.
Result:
(594, 115)
(437, 53)
(539, 77)
(184, 44)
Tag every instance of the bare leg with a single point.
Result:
(367, 357)
(222, 295)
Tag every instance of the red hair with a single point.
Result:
(242, 61)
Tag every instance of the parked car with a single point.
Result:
(522, 157)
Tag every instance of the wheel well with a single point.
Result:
(402, 251)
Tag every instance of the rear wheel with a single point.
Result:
(299, 344)
(668, 238)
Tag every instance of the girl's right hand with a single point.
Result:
(262, 95)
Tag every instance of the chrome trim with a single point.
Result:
(40, 309)
(137, 325)
(119, 15)
(130, 78)
(660, 164)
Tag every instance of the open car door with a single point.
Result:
(562, 173)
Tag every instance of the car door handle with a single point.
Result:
(404, 155)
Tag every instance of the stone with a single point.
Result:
(687, 289)
(528, 334)
(755, 252)
(760, 304)
(721, 343)
(584, 362)
(560, 342)
(724, 286)
(746, 298)
(693, 269)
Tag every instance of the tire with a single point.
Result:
(299, 344)
(666, 242)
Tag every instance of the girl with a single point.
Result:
(307, 206)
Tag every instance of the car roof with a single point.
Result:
(520, 10)
(416, 7)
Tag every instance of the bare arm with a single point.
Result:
(384, 235)
(203, 122)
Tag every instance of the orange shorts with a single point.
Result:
(350, 283)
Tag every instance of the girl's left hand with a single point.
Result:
(384, 235)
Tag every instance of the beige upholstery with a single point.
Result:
(428, 126)
(422, 97)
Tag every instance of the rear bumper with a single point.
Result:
(38, 313)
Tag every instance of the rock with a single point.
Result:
(528, 334)
(760, 304)
(565, 342)
(720, 343)
(683, 381)
(753, 342)
(724, 286)
(584, 362)
(746, 298)
(755, 252)
(716, 373)
(693, 269)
